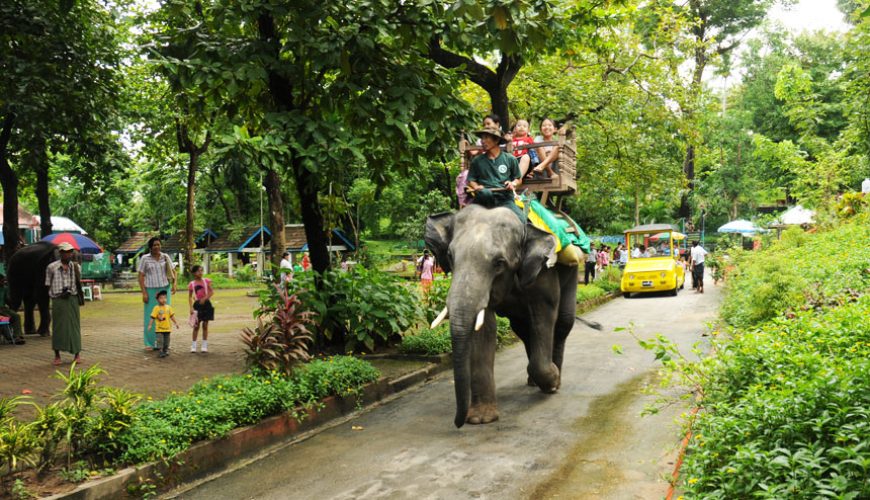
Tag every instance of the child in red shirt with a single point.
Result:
(528, 158)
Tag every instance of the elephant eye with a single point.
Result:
(499, 262)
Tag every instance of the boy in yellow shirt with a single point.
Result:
(162, 314)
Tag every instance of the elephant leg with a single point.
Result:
(484, 408)
(523, 328)
(566, 315)
(541, 367)
(29, 323)
(44, 315)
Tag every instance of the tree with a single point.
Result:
(702, 31)
(471, 34)
(58, 79)
(320, 81)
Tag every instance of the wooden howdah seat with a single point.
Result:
(564, 184)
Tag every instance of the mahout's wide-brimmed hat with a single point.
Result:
(493, 131)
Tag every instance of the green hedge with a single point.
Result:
(433, 342)
(799, 270)
(215, 406)
(786, 396)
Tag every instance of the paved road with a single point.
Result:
(588, 441)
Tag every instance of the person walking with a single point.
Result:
(155, 275)
(697, 261)
(161, 316)
(199, 294)
(591, 261)
(64, 281)
(426, 266)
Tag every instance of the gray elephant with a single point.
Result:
(26, 276)
(501, 266)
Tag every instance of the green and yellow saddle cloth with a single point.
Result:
(570, 238)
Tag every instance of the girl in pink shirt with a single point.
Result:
(199, 293)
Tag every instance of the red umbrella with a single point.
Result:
(78, 241)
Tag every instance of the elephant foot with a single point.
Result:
(531, 382)
(482, 414)
(548, 380)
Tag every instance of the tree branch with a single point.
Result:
(476, 72)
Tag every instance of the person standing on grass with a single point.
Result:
(591, 261)
(698, 253)
(155, 274)
(161, 316)
(427, 268)
(199, 294)
(64, 281)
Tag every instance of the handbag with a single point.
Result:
(193, 320)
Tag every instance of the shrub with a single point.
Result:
(213, 407)
(785, 399)
(786, 410)
(281, 338)
(589, 292)
(245, 273)
(609, 279)
(428, 342)
(798, 270)
(435, 301)
(358, 308)
(504, 335)
(437, 341)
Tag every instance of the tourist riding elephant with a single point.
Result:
(26, 276)
(501, 266)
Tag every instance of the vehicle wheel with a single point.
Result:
(627, 295)
(675, 291)
(683, 285)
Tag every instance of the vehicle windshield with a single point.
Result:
(648, 245)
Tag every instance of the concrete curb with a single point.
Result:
(208, 457)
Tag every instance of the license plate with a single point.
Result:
(647, 283)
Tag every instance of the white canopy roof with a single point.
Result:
(64, 225)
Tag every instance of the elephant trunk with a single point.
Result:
(461, 329)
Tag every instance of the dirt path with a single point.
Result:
(112, 338)
(588, 441)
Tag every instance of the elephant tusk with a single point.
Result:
(438, 319)
(478, 324)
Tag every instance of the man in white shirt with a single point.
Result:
(697, 262)
(591, 260)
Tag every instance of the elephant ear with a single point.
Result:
(539, 252)
(439, 232)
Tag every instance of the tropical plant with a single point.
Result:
(359, 308)
(282, 337)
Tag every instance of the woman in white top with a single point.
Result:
(155, 273)
(547, 154)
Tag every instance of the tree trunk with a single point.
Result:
(42, 195)
(192, 162)
(272, 183)
(689, 172)
(312, 216)
(498, 99)
(636, 207)
(9, 181)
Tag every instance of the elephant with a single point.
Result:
(501, 266)
(26, 277)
